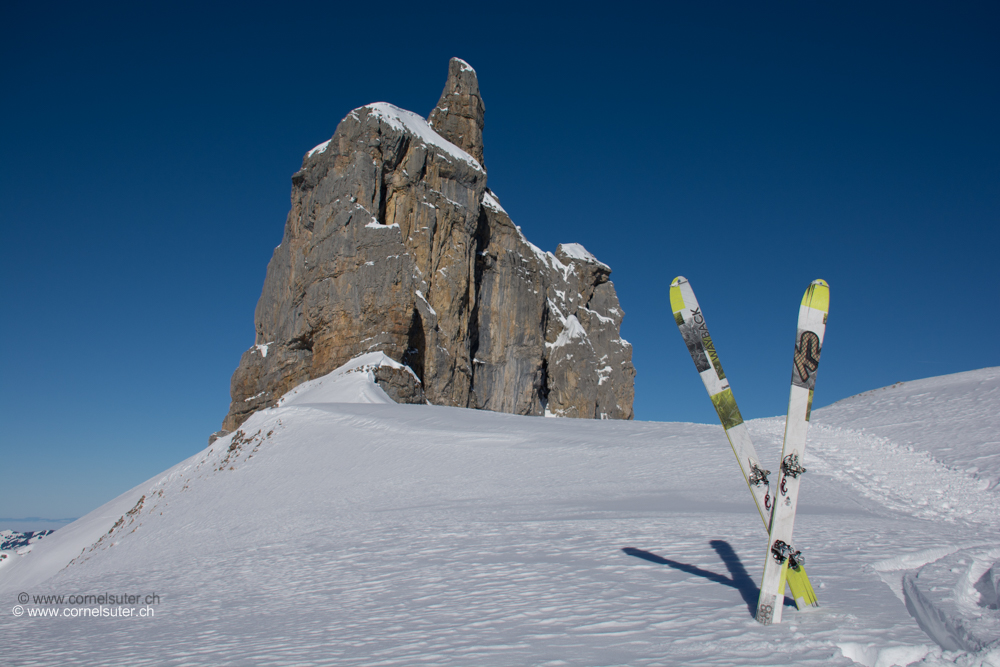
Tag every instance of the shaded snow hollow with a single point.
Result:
(341, 528)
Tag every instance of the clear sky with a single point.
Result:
(147, 149)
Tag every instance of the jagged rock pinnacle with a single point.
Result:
(459, 115)
(395, 244)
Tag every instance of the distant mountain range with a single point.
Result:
(11, 540)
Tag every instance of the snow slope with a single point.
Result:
(954, 418)
(339, 528)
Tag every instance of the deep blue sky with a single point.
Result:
(147, 149)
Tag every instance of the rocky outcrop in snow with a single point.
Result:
(394, 243)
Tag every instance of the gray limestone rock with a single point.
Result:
(400, 385)
(394, 243)
(460, 114)
(215, 436)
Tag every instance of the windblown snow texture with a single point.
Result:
(359, 533)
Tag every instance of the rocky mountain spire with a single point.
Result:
(395, 244)
(460, 113)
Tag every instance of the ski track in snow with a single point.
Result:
(954, 418)
(377, 534)
(895, 476)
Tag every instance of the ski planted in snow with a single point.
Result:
(691, 322)
(781, 560)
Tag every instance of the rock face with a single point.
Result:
(394, 243)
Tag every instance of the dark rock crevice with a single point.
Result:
(415, 345)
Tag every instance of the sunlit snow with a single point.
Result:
(341, 528)
(490, 201)
(319, 149)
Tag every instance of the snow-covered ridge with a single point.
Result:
(403, 120)
(116, 522)
(354, 382)
(577, 251)
(406, 121)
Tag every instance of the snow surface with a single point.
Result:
(351, 383)
(961, 409)
(341, 528)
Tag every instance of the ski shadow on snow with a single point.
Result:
(740, 580)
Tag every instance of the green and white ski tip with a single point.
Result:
(817, 296)
(676, 298)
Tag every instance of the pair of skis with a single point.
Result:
(783, 564)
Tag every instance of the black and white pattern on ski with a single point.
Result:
(693, 330)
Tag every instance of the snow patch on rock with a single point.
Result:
(577, 251)
(320, 149)
(407, 121)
